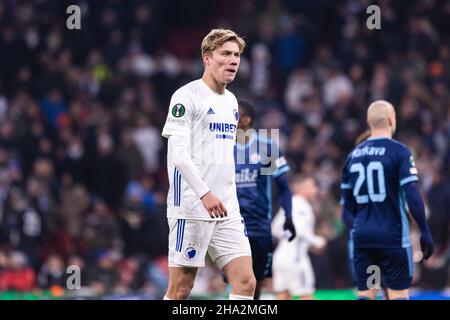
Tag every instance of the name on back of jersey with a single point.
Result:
(369, 151)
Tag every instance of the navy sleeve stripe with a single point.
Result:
(408, 180)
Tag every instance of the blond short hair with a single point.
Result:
(217, 37)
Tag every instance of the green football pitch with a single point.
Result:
(346, 294)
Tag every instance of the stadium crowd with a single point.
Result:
(83, 176)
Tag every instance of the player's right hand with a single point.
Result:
(214, 206)
(426, 245)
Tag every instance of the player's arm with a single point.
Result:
(179, 155)
(347, 200)
(408, 182)
(286, 203)
(348, 207)
(347, 215)
(313, 239)
(307, 232)
(417, 210)
(281, 179)
(178, 131)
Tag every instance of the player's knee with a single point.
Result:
(253, 283)
(248, 284)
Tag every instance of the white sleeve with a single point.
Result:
(179, 155)
(303, 222)
(180, 115)
(313, 239)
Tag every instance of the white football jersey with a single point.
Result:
(210, 120)
(286, 252)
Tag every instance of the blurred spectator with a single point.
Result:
(18, 275)
(147, 139)
(22, 226)
(74, 200)
(108, 171)
(104, 276)
(132, 275)
(438, 197)
(100, 228)
(130, 155)
(53, 107)
(52, 273)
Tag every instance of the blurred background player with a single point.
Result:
(293, 274)
(255, 193)
(362, 137)
(202, 206)
(378, 179)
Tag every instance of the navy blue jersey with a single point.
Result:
(256, 163)
(375, 172)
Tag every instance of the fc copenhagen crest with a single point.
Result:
(178, 110)
(190, 252)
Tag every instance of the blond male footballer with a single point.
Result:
(202, 206)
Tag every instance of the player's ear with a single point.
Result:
(206, 59)
(390, 122)
(393, 123)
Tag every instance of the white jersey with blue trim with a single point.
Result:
(295, 251)
(209, 120)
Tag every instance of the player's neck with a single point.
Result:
(381, 133)
(213, 84)
(304, 196)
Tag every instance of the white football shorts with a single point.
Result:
(190, 240)
(297, 279)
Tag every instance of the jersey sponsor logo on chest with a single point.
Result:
(222, 127)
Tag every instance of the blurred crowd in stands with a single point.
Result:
(83, 177)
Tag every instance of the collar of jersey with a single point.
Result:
(246, 145)
(376, 138)
(210, 89)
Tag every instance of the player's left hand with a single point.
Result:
(426, 244)
(289, 225)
